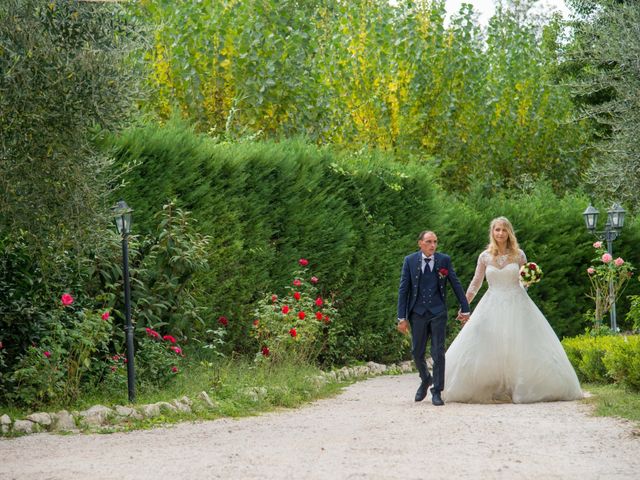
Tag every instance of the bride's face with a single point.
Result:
(500, 233)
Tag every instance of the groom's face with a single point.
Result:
(428, 243)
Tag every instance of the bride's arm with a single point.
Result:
(523, 258)
(478, 278)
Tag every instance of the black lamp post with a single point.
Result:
(615, 222)
(122, 216)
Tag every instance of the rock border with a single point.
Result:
(102, 418)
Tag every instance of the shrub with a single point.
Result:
(623, 362)
(293, 327)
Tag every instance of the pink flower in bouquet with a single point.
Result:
(66, 299)
(606, 258)
(597, 244)
(304, 262)
(591, 270)
(105, 316)
(618, 261)
(297, 282)
(314, 280)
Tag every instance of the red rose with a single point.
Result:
(105, 316)
(274, 298)
(327, 319)
(293, 332)
(66, 299)
(532, 266)
(314, 280)
(443, 272)
(523, 274)
(297, 282)
(319, 315)
(47, 354)
(285, 309)
(296, 295)
(223, 321)
(152, 333)
(304, 262)
(301, 315)
(169, 338)
(174, 369)
(265, 351)
(319, 301)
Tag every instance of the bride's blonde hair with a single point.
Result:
(513, 249)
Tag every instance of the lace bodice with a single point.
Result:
(485, 260)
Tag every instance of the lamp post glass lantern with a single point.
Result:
(122, 217)
(612, 229)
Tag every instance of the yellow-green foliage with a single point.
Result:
(368, 73)
(606, 359)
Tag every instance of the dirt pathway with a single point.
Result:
(373, 430)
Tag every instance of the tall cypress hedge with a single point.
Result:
(266, 205)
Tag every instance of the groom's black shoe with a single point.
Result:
(436, 399)
(421, 393)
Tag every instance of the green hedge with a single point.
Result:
(354, 217)
(606, 359)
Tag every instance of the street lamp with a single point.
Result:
(615, 222)
(122, 216)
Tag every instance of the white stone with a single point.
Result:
(63, 421)
(40, 418)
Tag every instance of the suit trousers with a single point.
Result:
(423, 328)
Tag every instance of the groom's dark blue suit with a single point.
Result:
(422, 299)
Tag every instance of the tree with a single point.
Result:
(607, 86)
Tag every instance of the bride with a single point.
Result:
(507, 351)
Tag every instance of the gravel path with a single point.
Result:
(374, 430)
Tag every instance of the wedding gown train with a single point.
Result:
(507, 351)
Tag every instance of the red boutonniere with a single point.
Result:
(443, 272)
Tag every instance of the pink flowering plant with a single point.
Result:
(608, 277)
(293, 326)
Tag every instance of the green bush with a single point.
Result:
(606, 358)
(623, 362)
(354, 217)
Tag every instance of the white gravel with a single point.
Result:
(374, 430)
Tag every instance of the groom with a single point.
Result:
(422, 304)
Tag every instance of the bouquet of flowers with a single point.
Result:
(530, 273)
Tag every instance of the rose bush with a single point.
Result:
(608, 279)
(294, 326)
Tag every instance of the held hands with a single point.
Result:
(463, 317)
(403, 327)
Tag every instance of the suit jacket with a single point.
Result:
(410, 279)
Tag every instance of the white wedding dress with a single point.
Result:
(507, 351)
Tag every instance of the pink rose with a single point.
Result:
(606, 258)
(285, 309)
(66, 299)
(597, 245)
(169, 338)
(314, 280)
(174, 369)
(591, 270)
(304, 262)
(274, 298)
(105, 316)
(618, 261)
(47, 354)
(297, 283)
